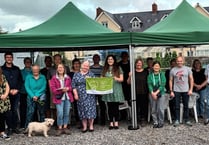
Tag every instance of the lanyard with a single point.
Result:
(154, 78)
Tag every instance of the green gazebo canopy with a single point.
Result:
(69, 28)
(184, 26)
(183, 19)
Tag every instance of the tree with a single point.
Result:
(174, 55)
(166, 60)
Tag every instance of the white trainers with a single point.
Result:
(5, 136)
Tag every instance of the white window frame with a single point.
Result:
(136, 23)
(105, 24)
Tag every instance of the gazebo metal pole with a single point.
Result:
(134, 125)
(32, 56)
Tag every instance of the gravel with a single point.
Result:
(198, 134)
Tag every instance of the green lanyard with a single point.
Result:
(153, 76)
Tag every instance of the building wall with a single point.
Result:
(151, 52)
(111, 24)
(200, 10)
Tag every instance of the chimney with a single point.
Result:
(154, 8)
(98, 11)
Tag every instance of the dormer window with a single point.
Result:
(136, 23)
(165, 16)
(105, 23)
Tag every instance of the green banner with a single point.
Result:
(99, 85)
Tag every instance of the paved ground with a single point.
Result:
(198, 134)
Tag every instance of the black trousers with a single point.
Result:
(113, 111)
(2, 121)
(12, 115)
(102, 109)
(23, 109)
(142, 106)
(76, 111)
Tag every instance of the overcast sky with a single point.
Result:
(24, 14)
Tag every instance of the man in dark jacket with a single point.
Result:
(14, 78)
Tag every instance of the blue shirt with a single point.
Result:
(24, 73)
(35, 87)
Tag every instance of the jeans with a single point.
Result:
(12, 117)
(200, 102)
(206, 98)
(158, 109)
(63, 112)
(184, 97)
(32, 106)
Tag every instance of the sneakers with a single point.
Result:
(188, 123)
(160, 125)
(155, 126)
(176, 123)
(5, 136)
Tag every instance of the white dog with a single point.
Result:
(40, 127)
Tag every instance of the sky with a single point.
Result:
(25, 14)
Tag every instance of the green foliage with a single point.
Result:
(174, 55)
(165, 62)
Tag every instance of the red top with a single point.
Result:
(55, 85)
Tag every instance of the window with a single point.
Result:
(165, 16)
(188, 53)
(156, 20)
(105, 24)
(136, 23)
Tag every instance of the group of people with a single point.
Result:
(55, 89)
(178, 82)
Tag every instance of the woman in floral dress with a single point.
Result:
(4, 105)
(86, 103)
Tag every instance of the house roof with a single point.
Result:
(148, 19)
(179, 21)
(207, 9)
